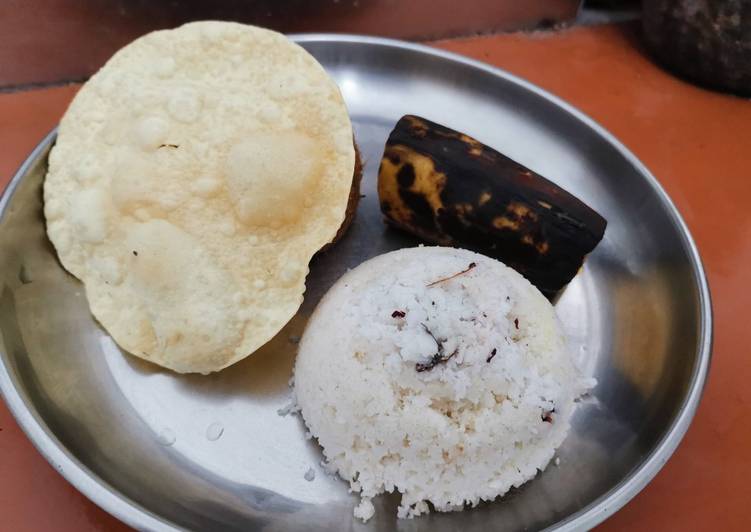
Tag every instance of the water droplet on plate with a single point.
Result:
(215, 431)
(166, 437)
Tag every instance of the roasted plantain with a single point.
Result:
(450, 189)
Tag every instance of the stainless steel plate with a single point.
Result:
(163, 451)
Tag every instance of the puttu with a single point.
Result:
(438, 373)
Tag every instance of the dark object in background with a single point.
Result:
(706, 41)
(63, 40)
(611, 4)
(450, 189)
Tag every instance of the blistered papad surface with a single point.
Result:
(193, 178)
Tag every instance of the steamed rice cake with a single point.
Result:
(439, 373)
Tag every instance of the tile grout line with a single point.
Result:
(21, 87)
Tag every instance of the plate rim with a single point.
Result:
(135, 515)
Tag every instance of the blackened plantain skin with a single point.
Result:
(450, 189)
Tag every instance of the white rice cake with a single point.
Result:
(439, 373)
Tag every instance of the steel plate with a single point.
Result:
(163, 451)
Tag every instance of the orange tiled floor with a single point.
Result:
(696, 142)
